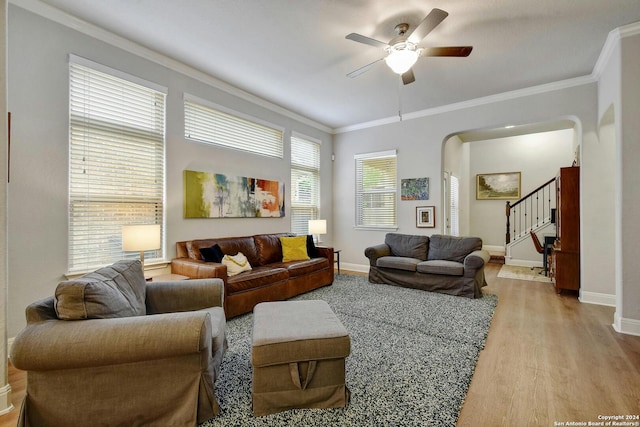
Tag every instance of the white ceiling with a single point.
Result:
(293, 53)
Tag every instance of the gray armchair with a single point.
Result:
(129, 353)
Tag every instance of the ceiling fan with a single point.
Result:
(403, 51)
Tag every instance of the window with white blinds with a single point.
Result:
(454, 213)
(376, 183)
(116, 162)
(210, 124)
(305, 183)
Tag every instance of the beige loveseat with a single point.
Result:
(110, 349)
(270, 278)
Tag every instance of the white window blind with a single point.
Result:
(116, 163)
(211, 125)
(305, 183)
(454, 208)
(376, 183)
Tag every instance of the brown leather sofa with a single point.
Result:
(270, 279)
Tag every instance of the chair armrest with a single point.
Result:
(184, 295)
(67, 344)
(375, 252)
(475, 261)
(198, 269)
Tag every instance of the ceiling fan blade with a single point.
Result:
(361, 70)
(366, 40)
(408, 77)
(447, 51)
(431, 21)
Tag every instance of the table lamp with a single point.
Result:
(141, 238)
(317, 227)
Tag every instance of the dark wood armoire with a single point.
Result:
(566, 250)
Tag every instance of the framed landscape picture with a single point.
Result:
(425, 216)
(498, 186)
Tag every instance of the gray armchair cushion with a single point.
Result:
(114, 291)
(452, 248)
(398, 262)
(449, 268)
(406, 245)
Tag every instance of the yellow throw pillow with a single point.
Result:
(294, 248)
(236, 264)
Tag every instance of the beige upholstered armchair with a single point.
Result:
(112, 349)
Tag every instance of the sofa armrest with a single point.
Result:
(74, 344)
(198, 269)
(184, 295)
(375, 252)
(475, 261)
(326, 252)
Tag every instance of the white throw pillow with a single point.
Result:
(236, 264)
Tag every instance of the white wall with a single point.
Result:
(537, 157)
(420, 143)
(38, 196)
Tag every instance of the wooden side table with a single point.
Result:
(336, 252)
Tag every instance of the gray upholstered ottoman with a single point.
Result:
(298, 357)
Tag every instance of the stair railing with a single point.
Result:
(531, 211)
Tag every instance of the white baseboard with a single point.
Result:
(494, 250)
(358, 268)
(626, 326)
(597, 298)
(5, 400)
(523, 262)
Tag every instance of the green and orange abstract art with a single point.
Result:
(214, 195)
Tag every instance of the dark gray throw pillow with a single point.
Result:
(408, 245)
(452, 248)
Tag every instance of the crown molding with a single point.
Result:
(505, 96)
(613, 39)
(56, 15)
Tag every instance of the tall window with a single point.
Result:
(376, 185)
(454, 213)
(116, 161)
(305, 183)
(213, 124)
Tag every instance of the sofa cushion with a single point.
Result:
(256, 278)
(407, 245)
(228, 245)
(301, 268)
(118, 290)
(449, 268)
(294, 248)
(398, 262)
(212, 254)
(269, 247)
(452, 248)
(236, 264)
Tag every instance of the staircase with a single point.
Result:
(531, 213)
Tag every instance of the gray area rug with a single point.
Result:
(413, 354)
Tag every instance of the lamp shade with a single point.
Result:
(141, 237)
(402, 57)
(318, 226)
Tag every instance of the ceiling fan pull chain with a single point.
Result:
(400, 98)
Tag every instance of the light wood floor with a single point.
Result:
(548, 358)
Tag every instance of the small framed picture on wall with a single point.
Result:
(425, 216)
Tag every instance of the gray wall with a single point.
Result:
(38, 196)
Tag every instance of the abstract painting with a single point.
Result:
(214, 195)
(414, 189)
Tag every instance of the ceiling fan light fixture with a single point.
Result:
(402, 56)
